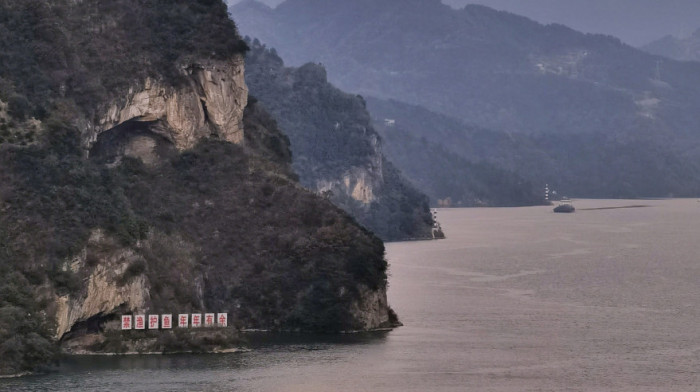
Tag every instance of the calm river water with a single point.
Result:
(517, 299)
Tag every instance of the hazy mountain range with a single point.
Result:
(602, 117)
(636, 22)
(684, 49)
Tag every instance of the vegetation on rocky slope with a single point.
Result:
(441, 156)
(219, 226)
(499, 167)
(59, 54)
(333, 142)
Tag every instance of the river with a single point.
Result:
(515, 299)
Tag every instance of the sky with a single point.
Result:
(636, 22)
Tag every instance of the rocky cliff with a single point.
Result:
(103, 294)
(336, 151)
(209, 103)
(139, 178)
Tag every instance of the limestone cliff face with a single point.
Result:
(209, 103)
(358, 183)
(372, 310)
(361, 183)
(104, 292)
(120, 280)
(3, 110)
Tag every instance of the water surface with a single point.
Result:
(516, 299)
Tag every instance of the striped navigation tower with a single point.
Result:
(437, 229)
(546, 192)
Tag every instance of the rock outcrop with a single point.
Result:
(359, 183)
(209, 103)
(177, 209)
(372, 310)
(105, 291)
(336, 151)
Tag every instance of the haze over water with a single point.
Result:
(516, 299)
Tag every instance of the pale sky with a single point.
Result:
(636, 22)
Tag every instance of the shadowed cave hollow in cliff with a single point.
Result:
(134, 139)
(93, 325)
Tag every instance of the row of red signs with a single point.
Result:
(166, 321)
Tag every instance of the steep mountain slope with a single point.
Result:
(135, 177)
(336, 151)
(507, 73)
(502, 168)
(491, 68)
(683, 49)
(435, 152)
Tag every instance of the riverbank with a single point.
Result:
(131, 353)
(18, 375)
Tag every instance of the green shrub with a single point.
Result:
(18, 107)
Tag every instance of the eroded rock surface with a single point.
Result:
(210, 102)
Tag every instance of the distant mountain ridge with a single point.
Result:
(683, 49)
(486, 167)
(579, 97)
(487, 67)
(436, 153)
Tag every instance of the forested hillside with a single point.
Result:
(136, 177)
(595, 165)
(336, 151)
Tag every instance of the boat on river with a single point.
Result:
(565, 206)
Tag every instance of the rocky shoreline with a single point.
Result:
(18, 375)
(134, 353)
